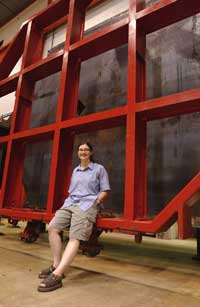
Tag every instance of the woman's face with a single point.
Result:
(84, 153)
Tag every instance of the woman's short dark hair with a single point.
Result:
(85, 143)
(90, 147)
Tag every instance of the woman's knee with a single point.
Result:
(52, 229)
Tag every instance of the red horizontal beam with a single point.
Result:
(22, 214)
(120, 224)
(45, 67)
(4, 140)
(9, 85)
(101, 41)
(36, 134)
(52, 13)
(106, 223)
(98, 121)
(156, 225)
(102, 120)
(165, 13)
(172, 105)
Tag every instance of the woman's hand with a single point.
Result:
(101, 197)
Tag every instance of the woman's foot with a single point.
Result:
(46, 272)
(51, 283)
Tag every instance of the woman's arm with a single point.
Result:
(103, 185)
(101, 197)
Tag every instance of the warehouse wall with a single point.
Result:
(8, 31)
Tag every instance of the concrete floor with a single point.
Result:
(152, 274)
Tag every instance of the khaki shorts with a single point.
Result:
(79, 222)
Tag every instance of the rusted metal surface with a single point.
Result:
(63, 129)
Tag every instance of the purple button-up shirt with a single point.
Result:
(86, 185)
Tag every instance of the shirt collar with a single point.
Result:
(90, 166)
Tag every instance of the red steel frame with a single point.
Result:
(134, 115)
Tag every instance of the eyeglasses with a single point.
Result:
(85, 149)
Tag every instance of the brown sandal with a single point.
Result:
(52, 282)
(46, 272)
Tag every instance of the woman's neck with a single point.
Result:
(84, 164)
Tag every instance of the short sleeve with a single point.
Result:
(71, 185)
(103, 178)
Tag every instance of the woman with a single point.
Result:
(88, 188)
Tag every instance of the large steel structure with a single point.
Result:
(132, 30)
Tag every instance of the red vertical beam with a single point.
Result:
(72, 89)
(25, 97)
(129, 209)
(34, 44)
(14, 114)
(61, 165)
(5, 173)
(78, 10)
(184, 222)
(63, 171)
(68, 98)
(67, 104)
(71, 66)
(53, 173)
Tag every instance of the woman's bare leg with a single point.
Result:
(56, 245)
(67, 257)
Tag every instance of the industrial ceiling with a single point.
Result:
(10, 8)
